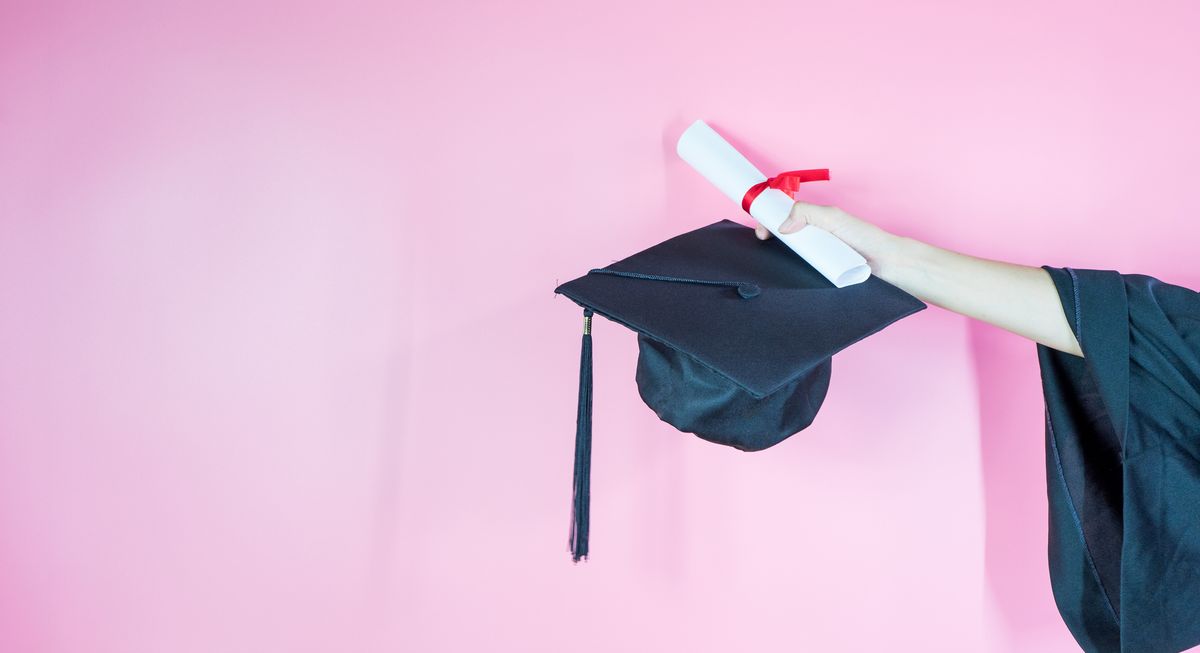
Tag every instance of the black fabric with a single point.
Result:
(761, 344)
(735, 337)
(1123, 462)
(695, 399)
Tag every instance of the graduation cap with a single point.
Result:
(735, 337)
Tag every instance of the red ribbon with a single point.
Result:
(788, 182)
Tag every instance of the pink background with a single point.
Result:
(281, 368)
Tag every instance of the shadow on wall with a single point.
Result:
(1012, 453)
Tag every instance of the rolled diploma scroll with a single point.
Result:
(718, 162)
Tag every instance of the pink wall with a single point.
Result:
(281, 368)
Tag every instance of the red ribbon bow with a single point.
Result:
(788, 182)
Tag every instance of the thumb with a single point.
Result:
(804, 214)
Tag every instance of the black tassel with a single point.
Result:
(581, 500)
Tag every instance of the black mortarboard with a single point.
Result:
(735, 337)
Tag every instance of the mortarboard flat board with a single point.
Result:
(735, 338)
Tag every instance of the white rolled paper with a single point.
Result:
(724, 167)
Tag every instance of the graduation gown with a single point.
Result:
(1123, 462)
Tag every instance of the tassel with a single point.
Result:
(580, 505)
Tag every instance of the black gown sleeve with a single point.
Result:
(1123, 462)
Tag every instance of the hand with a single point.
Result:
(872, 242)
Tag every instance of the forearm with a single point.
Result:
(1018, 298)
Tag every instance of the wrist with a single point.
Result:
(891, 257)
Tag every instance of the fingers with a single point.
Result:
(804, 214)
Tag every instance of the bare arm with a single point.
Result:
(1018, 298)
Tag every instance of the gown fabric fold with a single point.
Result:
(1123, 462)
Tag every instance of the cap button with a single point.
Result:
(748, 290)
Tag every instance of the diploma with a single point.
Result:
(724, 167)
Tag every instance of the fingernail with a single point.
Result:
(786, 227)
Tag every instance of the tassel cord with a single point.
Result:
(581, 496)
(746, 289)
